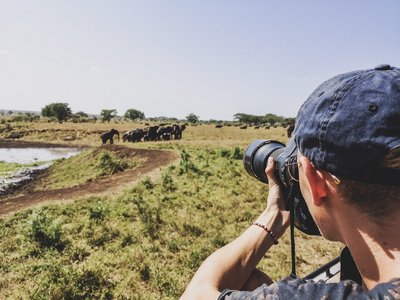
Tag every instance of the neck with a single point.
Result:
(376, 252)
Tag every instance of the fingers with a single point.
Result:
(269, 171)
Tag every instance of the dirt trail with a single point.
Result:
(154, 160)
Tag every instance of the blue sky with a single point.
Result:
(171, 58)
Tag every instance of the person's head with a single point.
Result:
(348, 131)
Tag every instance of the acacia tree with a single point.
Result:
(134, 114)
(192, 118)
(61, 111)
(108, 114)
(81, 114)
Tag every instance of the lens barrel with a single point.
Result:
(256, 157)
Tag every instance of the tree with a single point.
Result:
(61, 111)
(192, 118)
(81, 114)
(134, 114)
(108, 114)
(251, 119)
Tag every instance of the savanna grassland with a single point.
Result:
(146, 240)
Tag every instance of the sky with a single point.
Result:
(214, 58)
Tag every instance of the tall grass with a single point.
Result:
(147, 242)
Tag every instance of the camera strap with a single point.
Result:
(292, 243)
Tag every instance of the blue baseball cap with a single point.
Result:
(349, 123)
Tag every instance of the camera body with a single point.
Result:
(255, 160)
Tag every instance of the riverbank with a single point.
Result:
(7, 143)
(26, 194)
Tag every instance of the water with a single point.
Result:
(31, 155)
(43, 156)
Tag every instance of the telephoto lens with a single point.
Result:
(286, 171)
(257, 154)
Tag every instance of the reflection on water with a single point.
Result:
(12, 180)
(31, 155)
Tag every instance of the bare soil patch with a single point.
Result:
(154, 160)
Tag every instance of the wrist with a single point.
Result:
(269, 232)
(274, 221)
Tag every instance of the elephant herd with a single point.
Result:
(151, 133)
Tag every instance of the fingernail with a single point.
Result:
(270, 160)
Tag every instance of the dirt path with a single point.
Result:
(154, 160)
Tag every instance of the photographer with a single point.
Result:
(348, 162)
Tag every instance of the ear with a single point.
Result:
(316, 181)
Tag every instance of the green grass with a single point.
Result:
(84, 167)
(147, 242)
(7, 169)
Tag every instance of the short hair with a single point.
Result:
(375, 200)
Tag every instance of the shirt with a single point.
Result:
(289, 288)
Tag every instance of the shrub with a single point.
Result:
(186, 164)
(150, 217)
(225, 153)
(46, 232)
(109, 164)
(97, 212)
(147, 183)
(237, 153)
(168, 184)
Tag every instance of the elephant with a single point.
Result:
(164, 133)
(177, 131)
(151, 133)
(127, 136)
(137, 135)
(109, 135)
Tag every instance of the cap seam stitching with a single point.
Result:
(328, 116)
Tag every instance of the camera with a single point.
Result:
(286, 171)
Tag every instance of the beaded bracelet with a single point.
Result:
(270, 233)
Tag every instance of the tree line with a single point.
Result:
(265, 119)
(62, 112)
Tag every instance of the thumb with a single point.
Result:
(269, 171)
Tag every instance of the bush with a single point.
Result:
(150, 217)
(237, 153)
(186, 164)
(168, 184)
(46, 232)
(147, 183)
(109, 164)
(225, 153)
(97, 212)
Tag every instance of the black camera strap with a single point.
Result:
(292, 243)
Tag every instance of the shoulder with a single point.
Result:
(307, 289)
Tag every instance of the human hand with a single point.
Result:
(276, 202)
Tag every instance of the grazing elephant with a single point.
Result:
(151, 133)
(177, 131)
(109, 135)
(164, 133)
(137, 135)
(127, 136)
